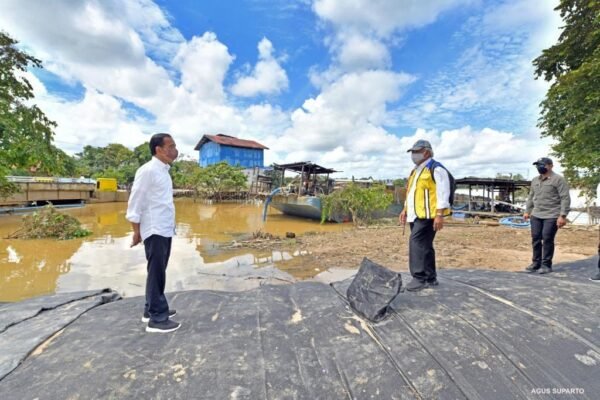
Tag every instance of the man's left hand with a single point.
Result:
(561, 221)
(137, 239)
(438, 223)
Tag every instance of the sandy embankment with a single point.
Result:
(457, 246)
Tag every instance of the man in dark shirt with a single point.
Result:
(547, 206)
(596, 277)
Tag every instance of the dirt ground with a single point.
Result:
(457, 246)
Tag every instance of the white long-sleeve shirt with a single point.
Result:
(442, 190)
(151, 200)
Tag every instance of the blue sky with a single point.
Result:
(350, 84)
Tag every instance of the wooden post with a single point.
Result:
(301, 181)
(514, 189)
(469, 198)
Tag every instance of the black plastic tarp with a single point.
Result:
(372, 290)
(25, 325)
(478, 335)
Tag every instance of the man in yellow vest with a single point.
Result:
(426, 205)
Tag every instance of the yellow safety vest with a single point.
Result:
(425, 194)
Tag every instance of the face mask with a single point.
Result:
(542, 170)
(417, 157)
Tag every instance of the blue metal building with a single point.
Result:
(236, 152)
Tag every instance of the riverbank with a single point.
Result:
(202, 250)
(457, 246)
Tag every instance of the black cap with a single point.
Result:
(543, 161)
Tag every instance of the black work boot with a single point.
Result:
(416, 285)
(545, 270)
(532, 269)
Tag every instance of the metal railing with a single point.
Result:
(48, 179)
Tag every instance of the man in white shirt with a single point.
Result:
(427, 203)
(151, 212)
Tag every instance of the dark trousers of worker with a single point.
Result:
(158, 250)
(543, 232)
(421, 254)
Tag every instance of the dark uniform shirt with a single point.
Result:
(549, 197)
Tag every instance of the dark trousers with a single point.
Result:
(158, 250)
(543, 232)
(421, 254)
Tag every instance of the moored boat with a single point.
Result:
(301, 196)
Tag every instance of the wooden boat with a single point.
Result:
(301, 197)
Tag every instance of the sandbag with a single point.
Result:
(373, 289)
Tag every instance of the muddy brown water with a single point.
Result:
(31, 268)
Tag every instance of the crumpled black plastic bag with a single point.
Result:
(373, 289)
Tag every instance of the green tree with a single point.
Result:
(26, 133)
(275, 175)
(184, 173)
(217, 179)
(571, 110)
(359, 202)
(112, 161)
(89, 160)
(400, 182)
(142, 153)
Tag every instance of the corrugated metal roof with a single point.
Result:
(495, 182)
(227, 140)
(306, 166)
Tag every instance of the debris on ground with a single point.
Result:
(49, 223)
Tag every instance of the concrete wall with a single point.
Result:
(109, 197)
(30, 192)
(36, 191)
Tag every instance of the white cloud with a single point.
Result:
(96, 120)
(149, 21)
(91, 37)
(363, 30)
(94, 43)
(350, 107)
(518, 14)
(357, 52)
(267, 77)
(492, 79)
(464, 151)
(383, 17)
(203, 62)
(129, 52)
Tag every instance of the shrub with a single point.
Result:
(49, 223)
(360, 203)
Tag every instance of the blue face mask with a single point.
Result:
(542, 170)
